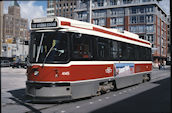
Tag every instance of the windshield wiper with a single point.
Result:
(47, 55)
(40, 44)
(60, 51)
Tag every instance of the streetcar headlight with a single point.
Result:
(36, 73)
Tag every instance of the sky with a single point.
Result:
(35, 9)
(165, 4)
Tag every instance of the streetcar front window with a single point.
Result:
(48, 47)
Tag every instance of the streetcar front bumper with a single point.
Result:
(38, 91)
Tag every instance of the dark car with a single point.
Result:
(20, 64)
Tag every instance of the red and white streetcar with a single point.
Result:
(70, 59)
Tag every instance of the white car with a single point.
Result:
(5, 63)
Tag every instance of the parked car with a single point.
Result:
(5, 63)
(20, 64)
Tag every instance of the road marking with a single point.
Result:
(91, 102)
(114, 95)
(100, 100)
(77, 107)
(107, 97)
(120, 92)
(124, 91)
(63, 111)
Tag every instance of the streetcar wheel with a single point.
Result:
(149, 77)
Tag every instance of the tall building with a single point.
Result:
(63, 8)
(15, 27)
(1, 25)
(143, 17)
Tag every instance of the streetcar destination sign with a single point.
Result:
(43, 24)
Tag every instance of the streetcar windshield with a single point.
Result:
(48, 47)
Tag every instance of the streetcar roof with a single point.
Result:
(71, 25)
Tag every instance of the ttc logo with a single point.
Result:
(108, 70)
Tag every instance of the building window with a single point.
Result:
(51, 1)
(141, 37)
(121, 28)
(99, 13)
(113, 2)
(51, 6)
(117, 21)
(149, 9)
(142, 19)
(100, 3)
(146, 0)
(100, 21)
(82, 47)
(142, 9)
(133, 19)
(113, 21)
(150, 38)
(127, 1)
(141, 29)
(149, 28)
(137, 29)
(133, 29)
(133, 10)
(82, 15)
(118, 11)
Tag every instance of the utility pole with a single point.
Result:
(160, 48)
(1, 26)
(89, 7)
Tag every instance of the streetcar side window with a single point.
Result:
(136, 53)
(82, 47)
(103, 49)
(124, 52)
(114, 48)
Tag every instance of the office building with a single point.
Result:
(63, 8)
(143, 17)
(15, 27)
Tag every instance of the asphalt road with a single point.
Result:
(153, 96)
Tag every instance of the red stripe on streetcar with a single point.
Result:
(104, 31)
(65, 23)
(118, 35)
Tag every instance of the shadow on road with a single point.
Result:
(154, 100)
(18, 94)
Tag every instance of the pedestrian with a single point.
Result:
(164, 64)
(159, 65)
